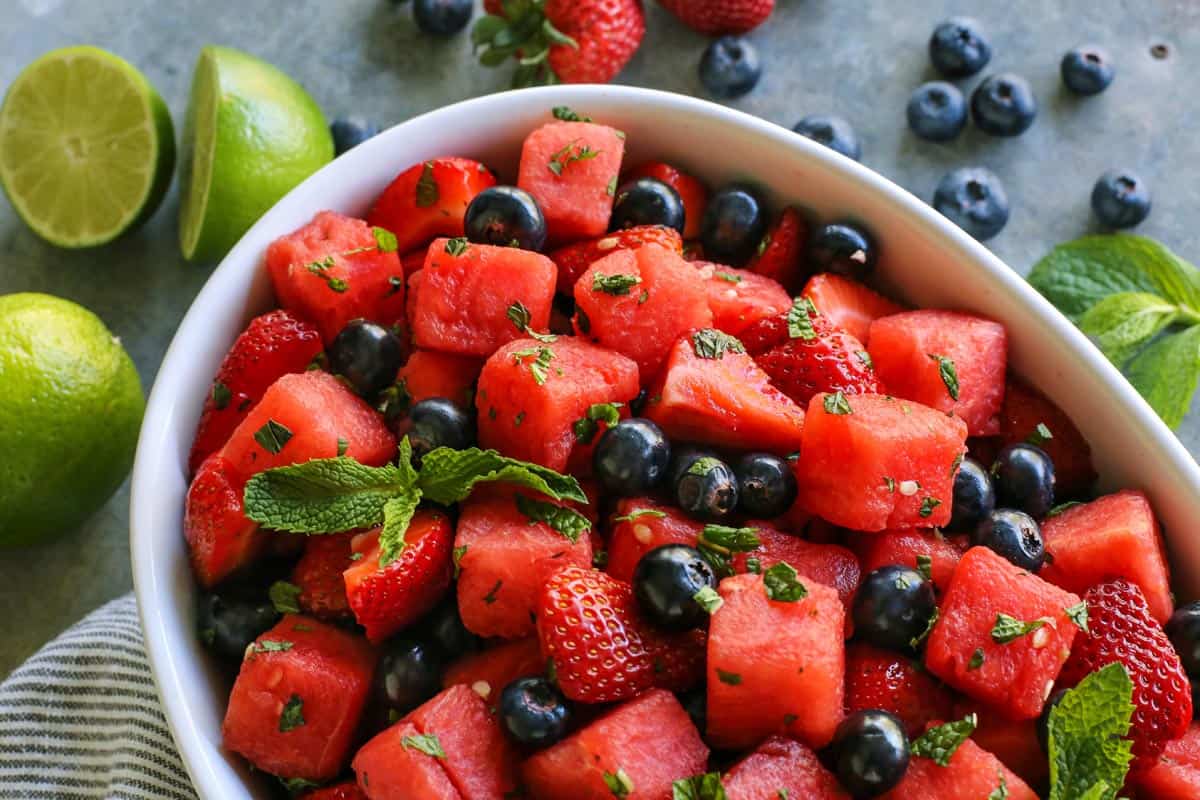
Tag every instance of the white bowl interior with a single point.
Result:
(925, 260)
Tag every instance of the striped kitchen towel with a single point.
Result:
(81, 719)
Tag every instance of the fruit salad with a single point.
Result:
(611, 484)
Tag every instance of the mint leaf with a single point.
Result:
(285, 597)
(925, 566)
(457, 246)
(385, 240)
(714, 344)
(424, 743)
(708, 599)
(837, 404)
(940, 743)
(326, 495)
(273, 436)
(1121, 324)
(519, 315)
(799, 319)
(619, 783)
(614, 284)
(295, 786)
(717, 543)
(397, 515)
(292, 716)
(948, 373)
(699, 787)
(1089, 755)
(586, 427)
(1078, 614)
(447, 476)
(640, 512)
(729, 678)
(540, 366)
(427, 188)
(782, 584)
(1166, 374)
(221, 396)
(1008, 628)
(1001, 790)
(567, 521)
(568, 114)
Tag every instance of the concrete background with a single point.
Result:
(859, 59)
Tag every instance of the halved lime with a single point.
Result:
(86, 146)
(252, 134)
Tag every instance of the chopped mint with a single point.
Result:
(890, 483)
(221, 396)
(728, 277)
(284, 596)
(799, 319)
(586, 427)
(457, 556)
(564, 157)
(640, 512)
(927, 506)
(1001, 790)
(782, 583)
(292, 716)
(643, 297)
(618, 284)
(271, 646)
(1008, 629)
(726, 539)
(385, 240)
(865, 358)
(730, 678)
(427, 188)
(1041, 434)
(567, 521)
(567, 114)
(611, 188)
(1078, 614)
(933, 618)
(295, 786)
(704, 465)
(708, 599)
(540, 366)
(342, 447)
(925, 566)
(520, 316)
(976, 660)
(490, 597)
(618, 783)
(1089, 754)
(837, 403)
(699, 787)
(714, 344)
(948, 372)
(424, 743)
(273, 436)
(457, 246)
(941, 742)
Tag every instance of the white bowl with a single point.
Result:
(926, 260)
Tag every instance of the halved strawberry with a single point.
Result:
(891, 682)
(574, 259)
(848, 304)
(272, 345)
(778, 256)
(318, 573)
(386, 599)
(429, 200)
(220, 538)
(601, 648)
(691, 190)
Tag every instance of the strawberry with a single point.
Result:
(849, 304)
(429, 200)
(318, 573)
(220, 539)
(1120, 629)
(387, 599)
(886, 680)
(691, 190)
(574, 259)
(601, 648)
(778, 256)
(1023, 410)
(719, 17)
(347, 790)
(273, 345)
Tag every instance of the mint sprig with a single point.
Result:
(1089, 755)
(941, 742)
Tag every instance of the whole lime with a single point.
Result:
(70, 410)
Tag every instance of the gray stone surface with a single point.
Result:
(859, 60)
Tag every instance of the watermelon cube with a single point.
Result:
(1017, 672)
(574, 259)
(886, 463)
(505, 557)
(641, 747)
(1176, 776)
(641, 524)
(828, 564)
(489, 671)
(774, 666)
(1024, 409)
(723, 400)
(430, 199)
(428, 373)
(639, 302)
(332, 271)
(571, 169)
(738, 298)
(905, 546)
(849, 304)
(395, 766)
(532, 394)
(972, 772)
(1116, 536)
(220, 539)
(298, 698)
(782, 767)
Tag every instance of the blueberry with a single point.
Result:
(870, 752)
(766, 485)
(631, 457)
(833, 132)
(974, 497)
(730, 67)
(436, 422)
(973, 198)
(444, 628)
(1024, 479)
(409, 673)
(937, 111)
(367, 355)
(534, 712)
(442, 17)
(734, 224)
(506, 216)
(1087, 70)
(893, 607)
(638, 404)
(647, 201)
(1043, 722)
(959, 47)
(695, 703)
(842, 248)
(1183, 629)
(350, 132)
(1014, 535)
(1120, 199)
(665, 583)
(707, 489)
(228, 622)
(1003, 105)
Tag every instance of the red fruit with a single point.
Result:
(386, 599)
(635, 533)
(829, 564)
(889, 681)
(692, 192)
(574, 259)
(1014, 742)
(1176, 776)
(429, 200)
(642, 747)
(719, 17)
(220, 539)
(318, 573)
(601, 647)
(1023, 410)
(608, 33)
(428, 373)
(1122, 630)
(489, 671)
(849, 304)
(904, 546)
(778, 256)
(273, 345)
(739, 298)
(343, 791)
(830, 361)
(781, 767)
(390, 770)
(972, 772)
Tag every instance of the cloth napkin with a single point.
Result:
(81, 719)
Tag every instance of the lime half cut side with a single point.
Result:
(86, 147)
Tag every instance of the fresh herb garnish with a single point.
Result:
(837, 403)
(565, 157)
(424, 743)
(1041, 434)
(520, 316)
(284, 596)
(1001, 790)
(292, 716)
(927, 506)
(714, 344)
(567, 521)
(586, 427)
(699, 787)
(457, 246)
(1078, 614)
(865, 358)
(941, 742)
(611, 188)
(427, 188)
(708, 599)
(799, 319)
(619, 783)
(1089, 754)
(717, 543)
(948, 373)
(915, 642)
(782, 584)
(925, 566)
(1008, 629)
(976, 660)
(457, 556)
(618, 284)
(540, 366)
(273, 436)
(221, 396)
(640, 512)
(730, 678)
(728, 277)
(567, 114)
(490, 597)
(385, 240)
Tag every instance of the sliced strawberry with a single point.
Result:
(848, 304)
(429, 200)
(386, 599)
(1121, 630)
(272, 345)
(601, 647)
(891, 682)
(738, 298)
(691, 190)
(574, 259)
(1023, 410)
(220, 538)
(318, 573)
(778, 256)
(828, 360)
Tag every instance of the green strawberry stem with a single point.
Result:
(523, 32)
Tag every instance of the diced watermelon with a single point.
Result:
(571, 168)
(947, 360)
(887, 464)
(430, 199)
(428, 373)
(829, 564)
(727, 400)
(298, 698)
(306, 416)
(778, 768)
(574, 259)
(1015, 677)
(1023, 410)
(390, 767)
(332, 271)
(972, 772)
(642, 746)
(489, 671)
(849, 304)
(644, 319)
(773, 666)
(531, 395)
(504, 558)
(1176, 776)
(738, 298)
(1116, 536)
(1014, 742)
(641, 524)
(461, 302)
(220, 539)
(903, 546)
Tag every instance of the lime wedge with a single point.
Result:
(86, 147)
(252, 134)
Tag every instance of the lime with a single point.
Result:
(69, 416)
(86, 147)
(252, 134)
